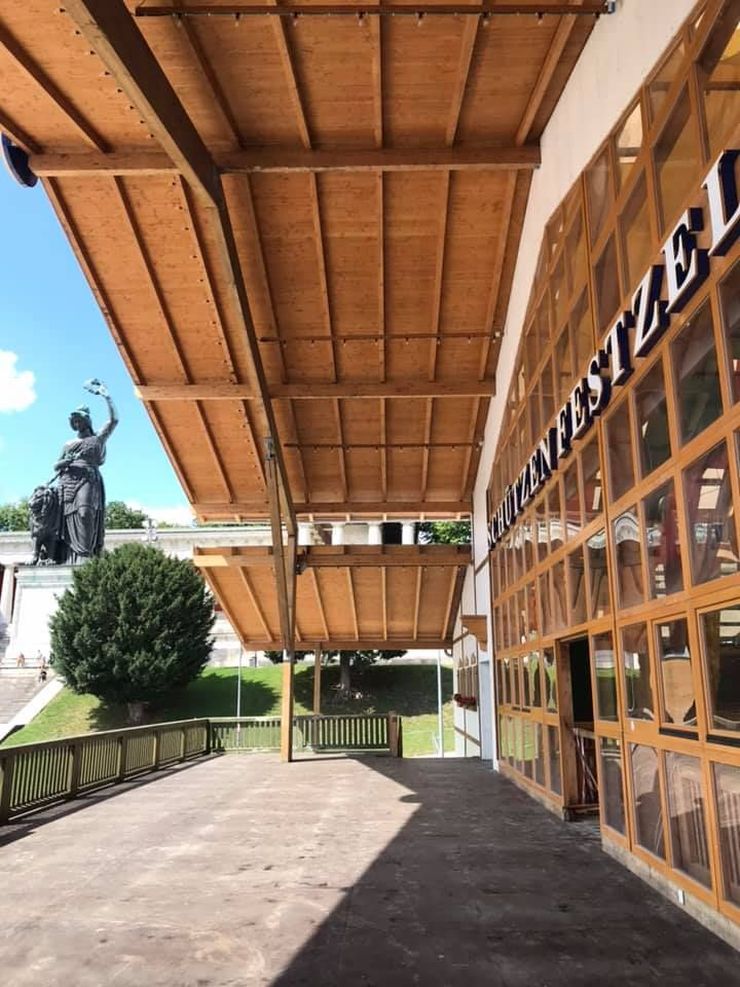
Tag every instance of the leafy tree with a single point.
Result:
(445, 532)
(14, 517)
(120, 515)
(347, 661)
(135, 624)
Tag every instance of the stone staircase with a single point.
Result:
(17, 687)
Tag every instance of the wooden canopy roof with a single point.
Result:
(301, 229)
(388, 597)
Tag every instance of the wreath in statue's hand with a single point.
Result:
(95, 386)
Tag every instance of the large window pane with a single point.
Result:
(727, 786)
(612, 791)
(573, 521)
(575, 251)
(545, 607)
(605, 667)
(638, 692)
(606, 282)
(583, 333)
(547, 391)
(722, 86)
(652, 420)
(532, 672)
(663, 543)
(674, 659)
(576, 588)
(591, 472)
(619, 451)
(697, 377)
(677, 159)
(598, 575)
(551, 688)
(628, 541)
(539, 754)
(559, 605)
(528, 753)
(637, 236)
(687, 813)
(730, 296)
(661, 82)
(648, 806)
(553, 756)
(563, 366)
(711, 520)
(555, 515)
(629, 142)
(540, 527)
(599, 193)
(721, 639)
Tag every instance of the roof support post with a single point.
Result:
(318, 655)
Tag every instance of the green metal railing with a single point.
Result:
(35, 776)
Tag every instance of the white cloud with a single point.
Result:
(180, 515)
(17, 387)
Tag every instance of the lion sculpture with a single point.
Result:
(45, 512)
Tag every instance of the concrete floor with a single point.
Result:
(242, 871)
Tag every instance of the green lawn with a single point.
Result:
(410, 690)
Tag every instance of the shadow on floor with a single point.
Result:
(483, 886)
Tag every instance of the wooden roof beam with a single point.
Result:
(526, 157)
(311, 392)
(328, 509)
(336, 556)
(592, 8)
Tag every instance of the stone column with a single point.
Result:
(407, 533)
(337, 533)
(6, 594)
(374, 533)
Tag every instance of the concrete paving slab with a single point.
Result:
(332, 872)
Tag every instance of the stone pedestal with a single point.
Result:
(37, 593)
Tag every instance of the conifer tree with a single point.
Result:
(135, 624)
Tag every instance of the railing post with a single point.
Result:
(393, 734)
(75, 749)
(207, 748)
(7, 764)
(155, 758)
(183, 735)
(122, 745)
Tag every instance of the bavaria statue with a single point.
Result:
(67, 514)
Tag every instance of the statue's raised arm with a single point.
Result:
(95, 386)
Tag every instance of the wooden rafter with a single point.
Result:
(291, 77)
(456, 580)
(335, 556)
(410, 508)
(319, 602)
(588, 8)
(353, 603)
(552, 60)
(255, 602)
(306, 160)
(467, 46)
(384, 598)
(417, 599)
(206, 70)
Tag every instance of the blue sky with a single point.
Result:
(52, 338)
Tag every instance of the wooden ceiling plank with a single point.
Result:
(319, 602)
(63, 103)
(382, 356)
(467, 46)
(288, 160)
(558, 44)
(383, 418)
(376, 35)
